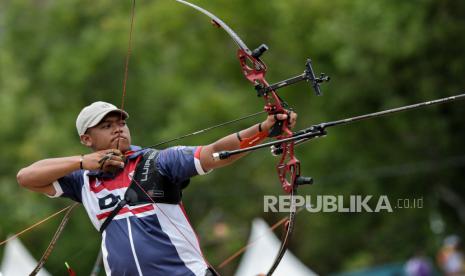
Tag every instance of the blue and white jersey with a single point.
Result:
(148, 239)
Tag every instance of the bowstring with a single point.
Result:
(126, 64)
(128, 55)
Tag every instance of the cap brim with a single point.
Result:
(100, 117)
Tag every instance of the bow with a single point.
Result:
(288, 168)
(254, 70)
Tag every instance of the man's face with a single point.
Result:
(111, 133)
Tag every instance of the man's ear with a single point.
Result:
(86, 140)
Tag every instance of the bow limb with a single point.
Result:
(220, 23)
(289, 226)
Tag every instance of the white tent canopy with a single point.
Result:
(260, 256)
(18, 261)
(257, 259)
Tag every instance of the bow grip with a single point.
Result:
(276, 129)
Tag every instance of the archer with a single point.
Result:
(133, 195)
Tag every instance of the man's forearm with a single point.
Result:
(230, 142)
(233, 141)
(44, 172)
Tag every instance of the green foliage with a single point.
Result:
(57, 56)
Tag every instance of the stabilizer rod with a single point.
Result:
(319, 130)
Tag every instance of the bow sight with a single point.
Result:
(308, 75)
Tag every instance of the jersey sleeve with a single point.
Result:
(180, 163)
(70, 186)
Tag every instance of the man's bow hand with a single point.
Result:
(271, 120)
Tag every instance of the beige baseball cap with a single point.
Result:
(92, 114)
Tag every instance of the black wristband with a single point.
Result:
(260, 127)
(238, 137)
(80, 162)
